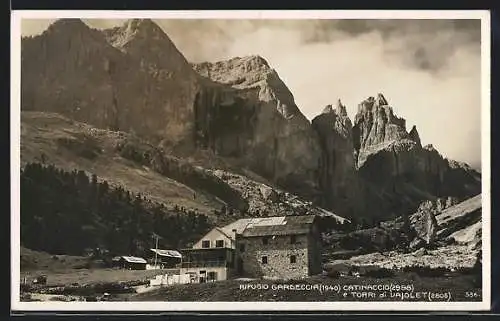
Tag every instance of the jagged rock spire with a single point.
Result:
(376, 126)
(413, 135)
(381, 101)
(341, 109)
(328, 109)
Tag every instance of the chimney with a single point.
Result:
(234, 237)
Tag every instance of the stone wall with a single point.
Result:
(314, 251)
(278, 252)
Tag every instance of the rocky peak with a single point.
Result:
(337, 118)
(254, 116)
(144, 27)
(376, 125)
(253, 62)
(66, 44)
(462, 172)
(145, 41)
(340, 109)
(381, 101)
(239, 72)
(379, 105)
(366, 105)
(429, 147)
(254, 73)
(72, 33)
(413, 135)
(134, 29)
(328, 109)
(70, 25)
(458, 165)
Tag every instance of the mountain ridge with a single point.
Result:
(132, 78)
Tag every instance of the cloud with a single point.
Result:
(429, 70)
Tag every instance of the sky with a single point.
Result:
(428, 70)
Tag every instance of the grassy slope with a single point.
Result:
(35, 260)
(67, 269)
(93, 276)
(41, 133)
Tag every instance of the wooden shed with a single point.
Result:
(130, 262)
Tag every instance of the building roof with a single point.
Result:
(203, 249)
(223, 232)
(167, 253)
(134, 259)
(276, 230)
(276, 225)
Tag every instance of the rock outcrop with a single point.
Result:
(447, 219)
(260, 122)
(461, 222)
(424, 224)
(337, 177)
(265, 200)
(461, 180)
(441, 233)
(394, 161)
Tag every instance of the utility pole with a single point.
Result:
(156, 250)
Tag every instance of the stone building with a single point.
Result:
(278, 247)
(282, 247)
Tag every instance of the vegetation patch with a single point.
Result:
(181, 171)
(69, 213)
(82, 145)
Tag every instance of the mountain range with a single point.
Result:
(234, 120)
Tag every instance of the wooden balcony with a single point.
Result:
(201, 264)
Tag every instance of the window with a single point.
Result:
(293, 259)
(264, 260)
(265, 240)
(293, 239)
(205, 244)
(203, 276)
(219, 243)
(211, 276)
(242, 248)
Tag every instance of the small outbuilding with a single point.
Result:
(166, 258)
(129, 262)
